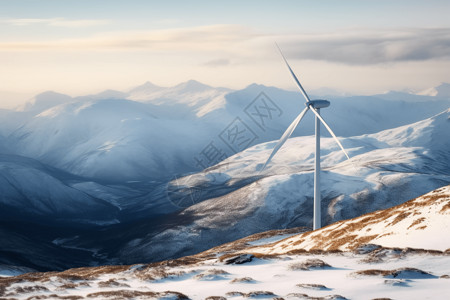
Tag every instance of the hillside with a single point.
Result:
(301, 266)
(418, 223)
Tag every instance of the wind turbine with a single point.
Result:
(314, 106)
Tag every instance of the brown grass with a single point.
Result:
(416, 222)
(305, 296)
(111, 283)
(257, 255)
(234, 293)
(249, 294)
(385, 273)
(309, 264)
(30, 289)
(258, 293)
(445, 207)
(210, 272)
(126, 294)
(54, 296)
(156, 273)
(400, 217)
(298, 295)
(312, 286)
(67, 286)
(242, 280)
(372, 272)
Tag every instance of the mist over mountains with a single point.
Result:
(125, 176)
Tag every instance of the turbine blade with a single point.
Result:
(330, 131)
(293, 75)
(285, 136)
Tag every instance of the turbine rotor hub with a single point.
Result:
(318, 103)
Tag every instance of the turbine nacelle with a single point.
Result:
(318, 103)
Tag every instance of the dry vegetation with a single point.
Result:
(243, 280)
(156, 273)
(252, 294)
(236, 246)
(53, 296)
(111, 283)
(394, 273)
(345, 235)
(309, 264)
(126, 294)
(306, 297)
(210, 274)
(313, 286)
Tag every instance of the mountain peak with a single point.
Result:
(147, 87)
(45, 100)
(442, 90)
(192, 86)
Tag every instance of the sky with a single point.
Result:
(86, 46)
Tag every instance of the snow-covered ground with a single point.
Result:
(261, 278)
(288, 270)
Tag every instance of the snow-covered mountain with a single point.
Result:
(111, 160)
(387, 169)
(108, 140)
(30, 191)
(191, 96)
(335, 262)
(441, 91)
(44, 101)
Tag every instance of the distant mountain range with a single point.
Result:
(138, 135)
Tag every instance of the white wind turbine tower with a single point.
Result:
(314, 106)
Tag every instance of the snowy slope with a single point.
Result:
(419, 223)
(109, 140)
(30, 191)
(304, 266)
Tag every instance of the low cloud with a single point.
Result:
(203, 38)
(217, 62)
(57, 22)
(370, 47)
(351, 47)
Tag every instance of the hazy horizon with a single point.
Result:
(357, 47)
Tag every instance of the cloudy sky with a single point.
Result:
(86, 46)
